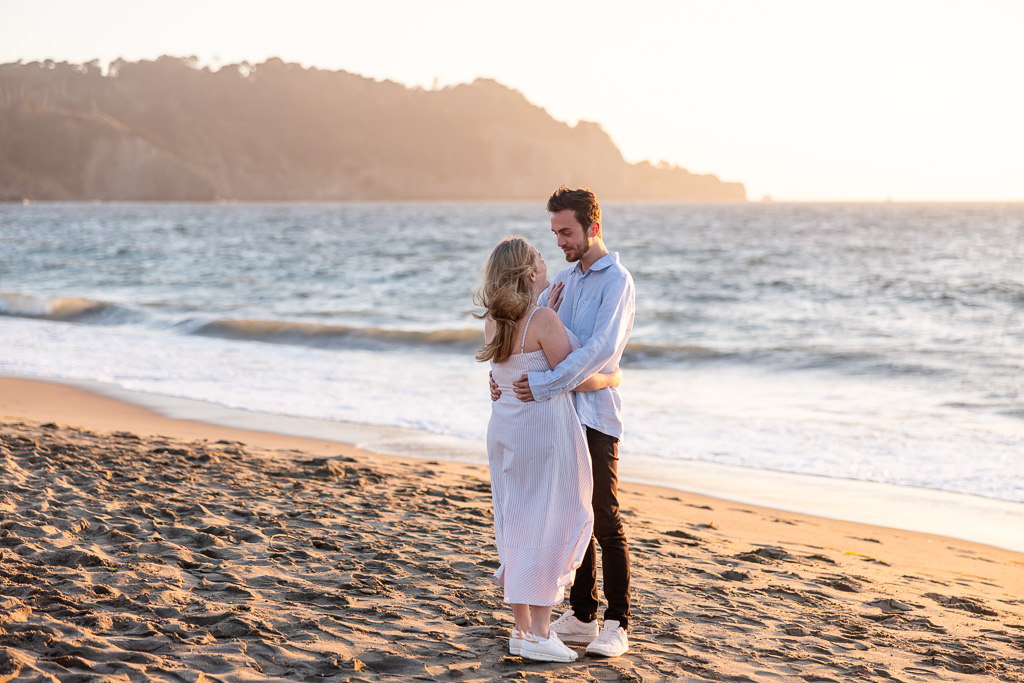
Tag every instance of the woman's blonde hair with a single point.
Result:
(505, 295)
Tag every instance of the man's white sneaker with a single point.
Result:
(572, 630)
(612, 641)
(515, 641)
(549, 650)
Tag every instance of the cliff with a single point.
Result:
(168, 130)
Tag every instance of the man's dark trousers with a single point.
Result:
(608, 531)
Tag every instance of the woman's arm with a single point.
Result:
(601, 380)
(551, 336)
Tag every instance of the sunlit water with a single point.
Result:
(873, 342)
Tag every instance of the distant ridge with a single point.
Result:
(169, 130)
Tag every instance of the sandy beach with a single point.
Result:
(137, 547)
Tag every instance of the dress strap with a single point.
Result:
(526, 329)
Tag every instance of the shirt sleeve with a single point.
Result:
(614, 322)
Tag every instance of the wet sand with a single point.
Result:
(136, 547)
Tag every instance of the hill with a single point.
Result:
(169, 130)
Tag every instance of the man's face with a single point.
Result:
(572, 238)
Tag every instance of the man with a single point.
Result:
(598, 305)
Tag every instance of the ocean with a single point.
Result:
(858, 342)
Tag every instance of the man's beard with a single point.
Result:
(577, 255)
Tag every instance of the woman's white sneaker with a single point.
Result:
(515, 641)
(572, 630)
(549, 650)
(611, 642)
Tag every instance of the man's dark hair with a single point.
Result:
(583, 203)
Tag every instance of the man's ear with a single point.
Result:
(595, 229)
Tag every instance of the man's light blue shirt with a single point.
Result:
(598, 307)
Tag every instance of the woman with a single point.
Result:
(541, 479)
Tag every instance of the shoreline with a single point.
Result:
(953, 515)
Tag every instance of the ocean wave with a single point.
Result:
(1007, 290)
(639, 354)
(455, 340)
(68, 309)
(335, 336)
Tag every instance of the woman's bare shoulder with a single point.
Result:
(547, 323)
(545, 316)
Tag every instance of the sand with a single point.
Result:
(135, 547)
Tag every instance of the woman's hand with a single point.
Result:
(555, 296)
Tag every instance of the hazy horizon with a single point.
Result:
(801, 101)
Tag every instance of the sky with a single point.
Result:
(802, 100)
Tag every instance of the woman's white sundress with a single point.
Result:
(541, 482)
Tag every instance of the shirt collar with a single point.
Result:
(608, 259)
